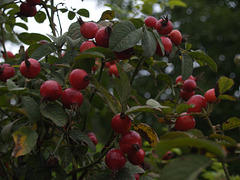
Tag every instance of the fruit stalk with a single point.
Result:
(136, 70)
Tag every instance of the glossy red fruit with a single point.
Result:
(31, 69)
(6, 72)
(193, 78)
(130, 142)
(179, 80)
(79, 79)
(71, 97)
(184, 122)
(27, 10)
(33, 2)
(87, 45)
(88, 29)
(167, 44)
(137, 157)
(164, 26)
(186, 95)
(168, 155)
(113, 70)
(199, 101)
(51, 90)
(189, 85)
(102, 36)
(115, 159)
(176, 37)
(126, 54)
(150, 21)
(92, 137)
(210, 96)
(121, 123)
(9, 54)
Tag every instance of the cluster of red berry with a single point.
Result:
(168, 36)
(28, 8)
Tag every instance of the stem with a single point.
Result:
(59, 142)
(209, 121)
(52, 26)
(6, 113)
(3, 41)
(225, 170)
(136, 70)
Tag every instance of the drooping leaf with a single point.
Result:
(43, 50)
(187, 66)
(31, 38)
(22, 25)
(185, 167)
(148, 133)
(231, 123)
(224, 138)
(124, 36)
(149, 43)
(11, 84)
(108, 15)
(224, 83)
(24, 139)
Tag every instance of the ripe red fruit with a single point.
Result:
(137, 157)
(113, 70)
(189, 85)
(88, 29)
(102, 36)
(150, 21)
(6, 72)
(167, 44)
(179, 80)
(27, 10)
(31, 69)
(51, 90)
(115, 159)
(71, 97)
(121, 123)
(87, 45)
(108, 64)
(9, 54)
(193, 78)
(126, 54)
(79, 79)
(164, 26)
(130, 141)
(210, 96)
(92, 137)
(168, 155)
(199, 101)
(33, 2)
(137, 176)
(186, 95)
(176, 37)
(184, 122)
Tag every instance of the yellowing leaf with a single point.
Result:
(148, 133)
(109, 15)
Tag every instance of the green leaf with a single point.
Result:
(73, 43)
(3, 2)
(32, 109)
(165, 145)
(227, 97)
(224, 83)
(18, 90)
(136, 109)
(78, 135)
(31, 38)
(108, 15)
(187, 66)
(83, 12)
(2, 19)
(71, 15)
(165, 78)
(3, 89)
(159, 41)
(231, 123)
(22, 25)
(173, 3)
(185, 167)
(174, 135)
(124, 36)
(55, 113)
(40, 17)
(155, 104)
(149, 43)
(113, 103)
(68, 57)
(24, 139)
(82, 62)
(43, 50)
(59, 40)
(6, 132)
(101, 176)
(188, 46)
(182, 108)
(227, 139)
(74, 31)
(201, 56)
(85, 107)
(11, 84)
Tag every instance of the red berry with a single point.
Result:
(33, 2)
(150, 21)
(164, 26)
(184, 122)
(199, 101)
(108, 64)
(130, 141)
(179, 80)
(92, 137)
(167, 44)
(88, 29)
(9, 54)
(27, 10)
(87, 45)
(189, 85)
(31, 69)
(137, 157)
(51, 90)
(79, 79)
(102, 36)
(137, 176)
(176, 37)
(115, 159)
(193, 78)
(6, 72)
(168, 155)
(210, 96)
(113, 70)
(126, 54)
(71, 97)
(121, 123)
(186, 95)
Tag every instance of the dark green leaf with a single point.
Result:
(182, 108)
(59, 40)
(11, 84)
(6, 132)
(108, 15)
(18, 91)
(85, 107)
(174, 135)
(101, 176)
(82, 62)
(227, 139)
(231, 123)
(187, 66)
(136, 109)
(3, 2)
(83, 12)
(22, 25)
(186, 167)
(74, 31)
(63, 10)
(224, 84)
(71, 15)
(165, 78)
(159, 41)
(125, 174)
(69, 57)
(40, 17)
(3, 89)
(149, 43)
(73, 43)
(43, 50)
(31, 38)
